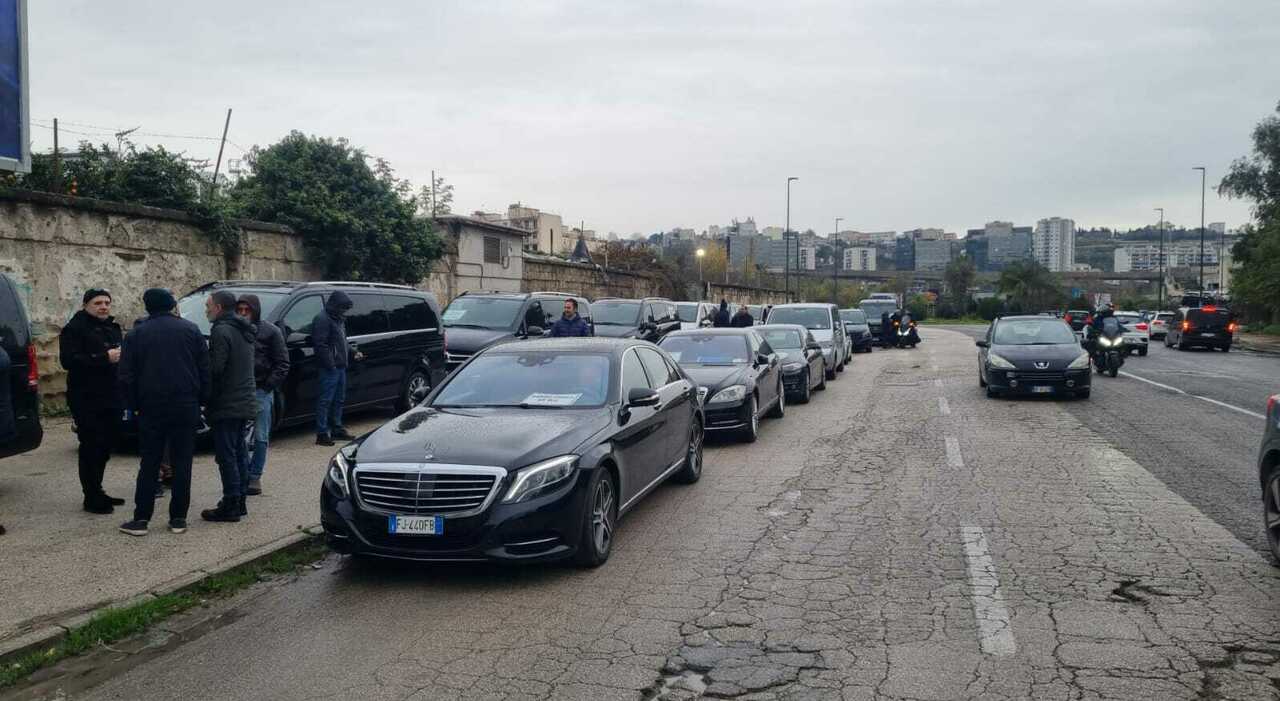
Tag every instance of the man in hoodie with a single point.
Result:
(231, 402)
(89, 349)
(329, 337)
(722, 318)
(164, 375)
(569, 323)
(742, 319)
(270, 368)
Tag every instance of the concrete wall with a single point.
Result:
(744, 295)
(548, 274)
(56, 247)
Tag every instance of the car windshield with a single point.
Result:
(191, 307)
(540, 379)
(875, 308)
(810, 318)
(1164, 316)
(615, 313)
(853, 316)
(1128, 318)
(482, 312)
(784, 339)
(688, 311)
(707, 349)
(1033, 332)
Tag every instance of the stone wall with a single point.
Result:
(56, 247)
(744, 295)
(542, 273)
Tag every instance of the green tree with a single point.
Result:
(435, 200)
(958, 278)
(1257, 254)
(1030, 286)
(152, 176)
(358, 221)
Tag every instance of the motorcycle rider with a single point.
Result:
(886, 330)
(1096, 323)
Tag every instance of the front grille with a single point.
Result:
(421, 492)
(1039, 375)
(716, 418)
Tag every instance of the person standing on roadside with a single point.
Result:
(569, 323)
(722, 318)
(231, 402)
(89, 349)
(742, 319)
(329, 337)
(164, 375)
(270, 368)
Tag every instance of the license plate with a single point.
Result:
(1209, 334)
(1041, 389)
(415, 525)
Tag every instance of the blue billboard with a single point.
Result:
(14, 139)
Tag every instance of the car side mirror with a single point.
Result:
(297, 339)
(642, 396)
(533, 331)
(813, 347)
(762, 359)
(982, 344)
(704, 323)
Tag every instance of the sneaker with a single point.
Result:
(228, 511)
(254, 488)
(177, 525)
(342, 435)
(115, 501)
(135, 527)
(323, 439)
(98, 506)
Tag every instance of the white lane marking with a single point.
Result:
(1175, 390)
(995, 633)
(943, 407)
(954, 458)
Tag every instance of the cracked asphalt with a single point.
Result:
(848, 554)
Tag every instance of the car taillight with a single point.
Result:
(1186, 326)
(1271, 403)
(1232, 327)
(1141, 327)
(1067, 318)
(33, 370)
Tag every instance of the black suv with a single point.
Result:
(476, 320)
(24, 391)
(1208, 326)
(397, 329)
(649, 318)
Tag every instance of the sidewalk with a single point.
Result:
(60, 562)
(1259, 343)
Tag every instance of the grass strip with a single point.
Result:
(114, 624)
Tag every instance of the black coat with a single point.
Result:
(742, 319)
(92, 380)
(270, 357)
(722, 319)
(164, 365)
(329, 332)
(231, 343)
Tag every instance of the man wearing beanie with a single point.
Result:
(164, 373)
(231, 402)
(89, 349)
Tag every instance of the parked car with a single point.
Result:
(803, 367)
(695, 315)
(576, 432)
(396, 328)
(648, 319)
(476, 320)
(1037, 355)
(1137, 332)
(857, 329)
(875, 307)
(24, 374)
(757, 313)
(1269, 475)
(739, 376)
(823, 321)
(1078, 318)
(1159, 322)
(1207, 327)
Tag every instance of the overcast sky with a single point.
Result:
(640, 116)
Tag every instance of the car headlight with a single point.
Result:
(540, 478)
(999, 362)
(733, 393)
(337, 476)
(1080, 363)
(792, 367)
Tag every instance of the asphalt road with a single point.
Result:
(1207, 452)
(900, 537)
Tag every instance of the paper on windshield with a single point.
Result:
(547, 399)
(453, 314)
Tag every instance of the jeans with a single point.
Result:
(96, 430)
(232, 455)
(333, 394)
(261, 432)
(173, 428)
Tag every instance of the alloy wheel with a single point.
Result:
(602, 515)
(1271, 512)
(694, 459)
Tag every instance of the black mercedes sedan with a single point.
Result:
(1036, 355)
(530, 451)
(804, 369)
(739, 376)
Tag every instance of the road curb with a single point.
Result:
(1262, 348)
(49, 636)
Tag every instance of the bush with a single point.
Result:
(990, 308)
(1272, 330)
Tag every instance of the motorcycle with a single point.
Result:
(1108, 348)
(906, 333)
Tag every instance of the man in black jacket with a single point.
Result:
(270, 368)
(231, 402)
(164, 373)
(89, 349)
(722, 319)
(742, 319)
(329, 337)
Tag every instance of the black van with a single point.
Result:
(1208, 326)
(397, 328)
(24, 389)
(476, 320)
(649, 318)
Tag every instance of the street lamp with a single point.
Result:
(1160, 293)
(1202, 175)
(701, 285)
(786, 243)
(835, 266)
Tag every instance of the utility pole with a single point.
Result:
(120, 138)
(1202, 175)
(433, 194)
(835, 266)
(221, 145)
(57, 158)
(786, 244)
(1160, 293)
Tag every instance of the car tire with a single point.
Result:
(806, 392)
(1082, 393)
(992, 393)
(822, 382)
(1182, 345)
(692, 470)
(981, 382)
(779, 409)
(416, 379)
(1271, 511)
(831, 373)
(751, 431)
(1142, 352)
(1226, 348)
(599, 518)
